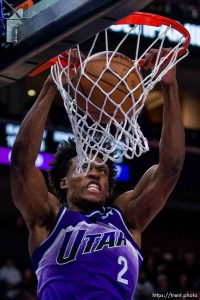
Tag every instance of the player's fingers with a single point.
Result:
(76, 56)
(149, 58)
(70, 55)
(82, 56)
(166, 52)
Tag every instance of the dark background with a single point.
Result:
(176, 228)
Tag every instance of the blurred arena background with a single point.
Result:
(171, 243)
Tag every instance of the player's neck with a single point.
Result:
(83, 207)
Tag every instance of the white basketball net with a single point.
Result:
(90, 135)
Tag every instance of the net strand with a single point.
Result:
(116, 137)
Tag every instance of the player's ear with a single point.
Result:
(64, 183)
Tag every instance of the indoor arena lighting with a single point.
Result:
(43, 160)
(31, 93)
(172, 35)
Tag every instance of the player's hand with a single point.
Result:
(67, 64)
(150, 59)
(72, 59)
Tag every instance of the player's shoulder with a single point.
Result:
(117, 218)
(114, 212)
(121, 203)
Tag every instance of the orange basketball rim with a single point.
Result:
(138, 18)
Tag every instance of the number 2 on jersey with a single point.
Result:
(122, 261)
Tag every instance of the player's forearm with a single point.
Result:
(172, 144)
(29, 138)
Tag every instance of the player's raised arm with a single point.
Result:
(142, 204)
(28, 187)
(29, 191)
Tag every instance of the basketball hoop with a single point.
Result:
(92, 134)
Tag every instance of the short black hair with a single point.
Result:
(60, 166)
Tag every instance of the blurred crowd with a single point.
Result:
(17, 279)
(169, 272)
(16, 283)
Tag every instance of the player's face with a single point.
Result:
(86, 191)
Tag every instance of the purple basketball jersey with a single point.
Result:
(88, 257)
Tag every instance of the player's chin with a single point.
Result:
(96, 199)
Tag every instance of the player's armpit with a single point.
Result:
(141, 205)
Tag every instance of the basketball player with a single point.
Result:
(86, 249)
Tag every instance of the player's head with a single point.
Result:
(95, 188)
